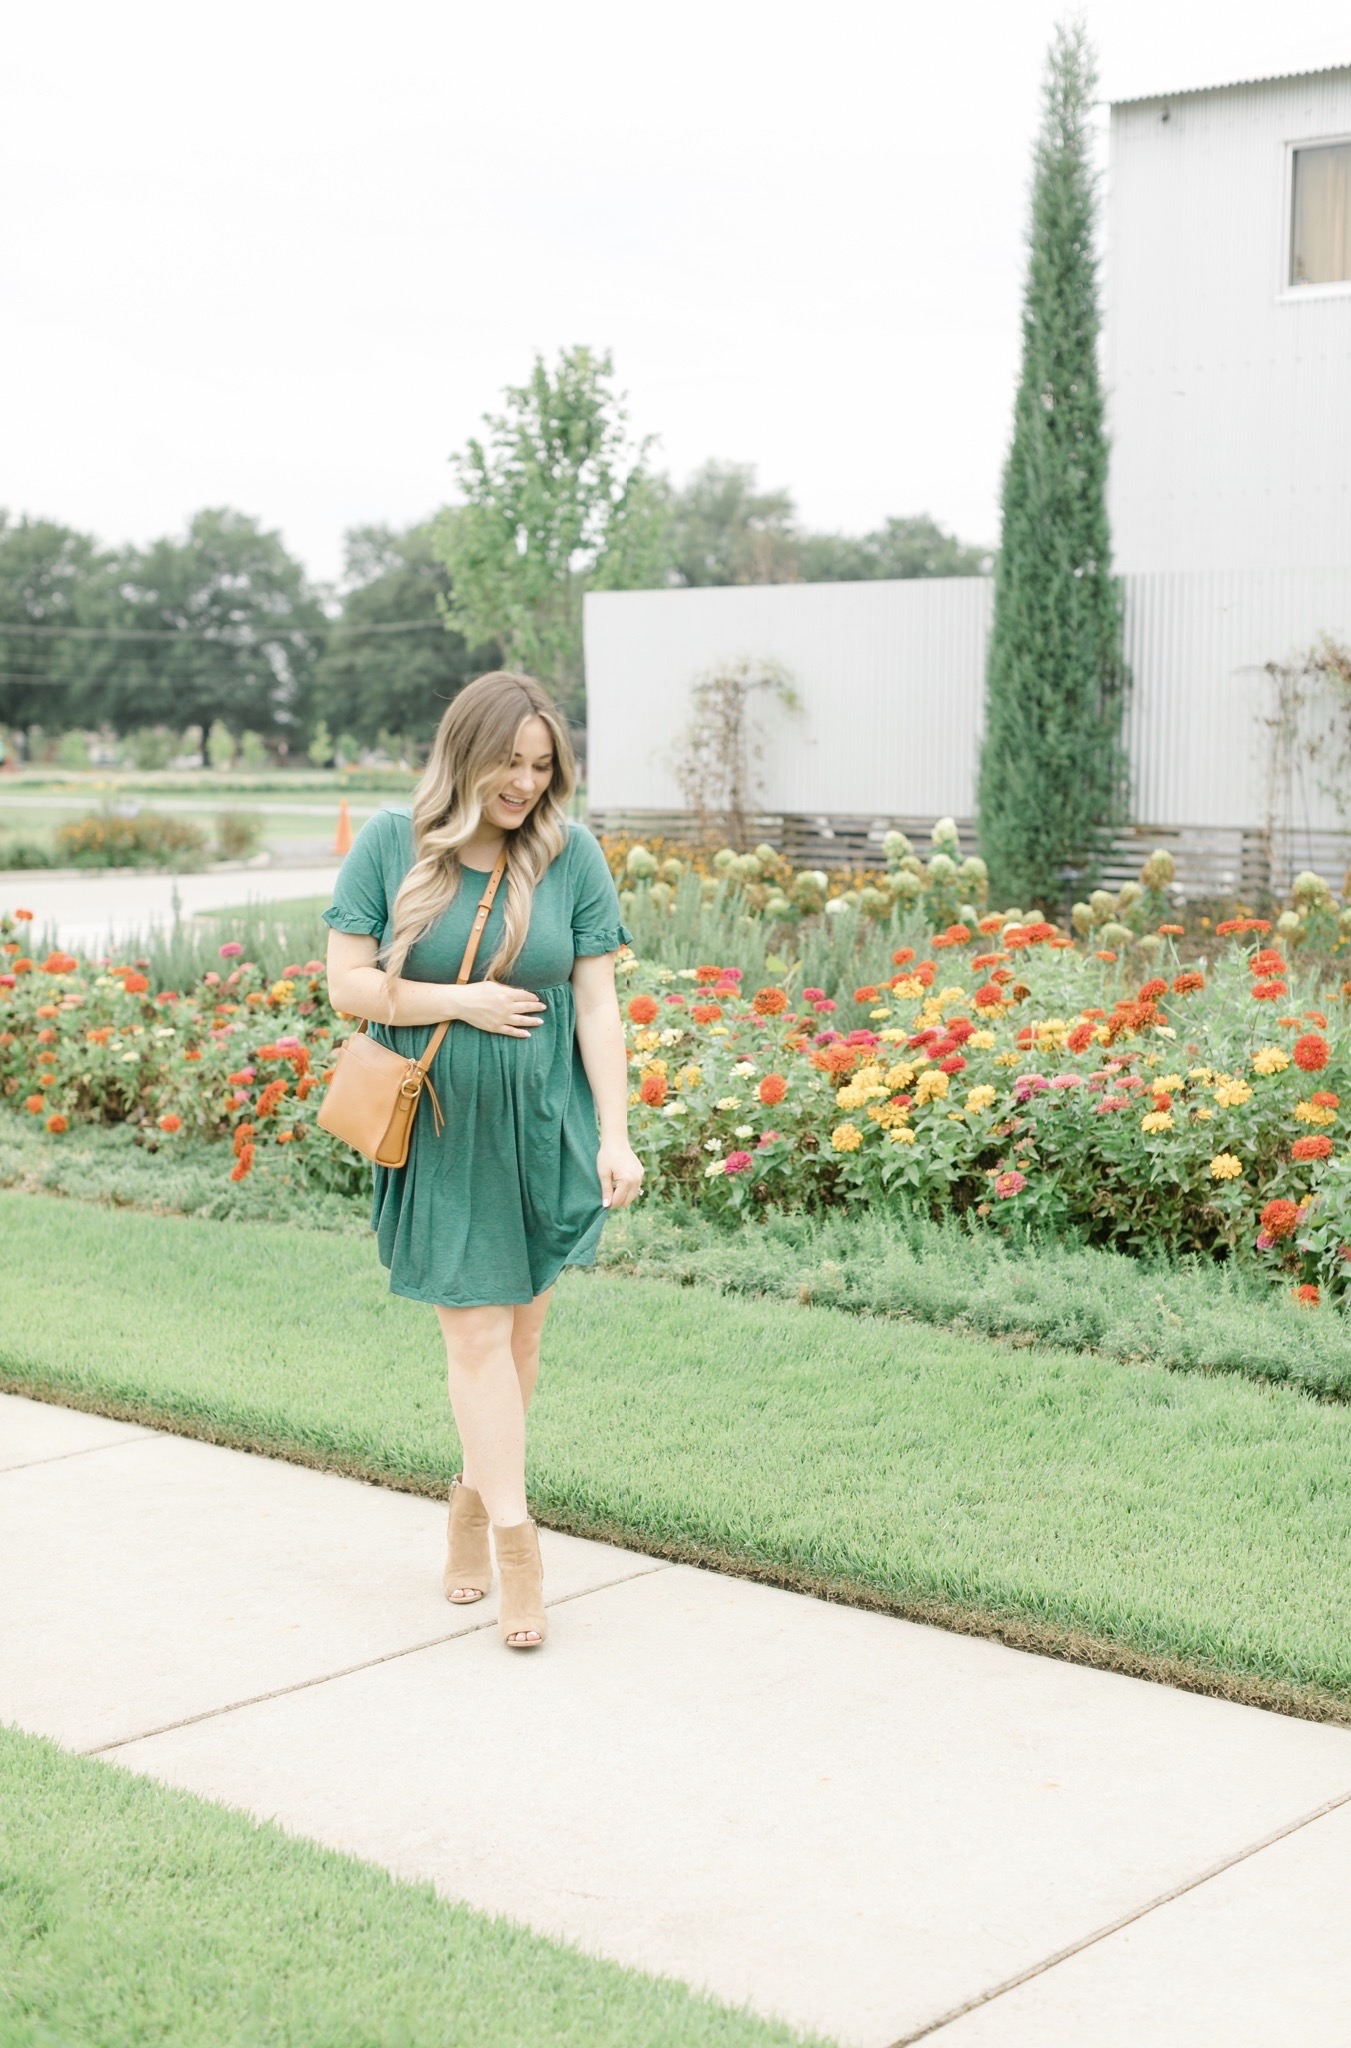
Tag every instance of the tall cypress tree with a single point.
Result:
(1053, 777)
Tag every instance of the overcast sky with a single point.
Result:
(284, 256)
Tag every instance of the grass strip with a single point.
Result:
(1201, 1316)
(1181, 1527)
(133, 1913)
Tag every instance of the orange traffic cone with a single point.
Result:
(343, 838)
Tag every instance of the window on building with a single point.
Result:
(1320, 238)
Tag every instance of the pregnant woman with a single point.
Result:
(530, 1076)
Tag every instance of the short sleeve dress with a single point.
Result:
(493, 1209)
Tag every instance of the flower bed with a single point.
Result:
(1018, 1077)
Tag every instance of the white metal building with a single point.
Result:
(1228, 362)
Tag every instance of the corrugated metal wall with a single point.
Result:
(1229, 396)
(891, 678)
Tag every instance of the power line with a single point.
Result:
(215, 639)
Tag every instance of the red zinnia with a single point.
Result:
(35, 1104)
(1268, 991)
(1080, 1038)
(1280, 1218)
(643, 1010)
(171, 1122)
(243, 1165)
(866, 994)
(1311, 1148)
(1310, 1052)
(706, 1013)
(57, 1124)
(1151, 991)
(1324, 1099)
(1307, 1295)
(1188, 984)
(903, 956)
(653, 1090)
(772, 1090)
(988, 998)
(271, 1096)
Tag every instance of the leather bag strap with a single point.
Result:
(466, 965)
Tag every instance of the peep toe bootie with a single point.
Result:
(522, 1602)
(469, 1565)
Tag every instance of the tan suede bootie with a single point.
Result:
(522, 1574)
(469, 1565)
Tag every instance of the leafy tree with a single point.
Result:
(389, 662)
(219, 626)
(320, 749)
(1053, 769)
(557, 500)
(723, 530)
(46, 572)
(898, 548)
(220, 746)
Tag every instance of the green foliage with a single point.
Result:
(220, 746)
(149, 840)
(389, 662)
(252, 752)
(1053, 771)
(47, 574)
(152, 747)
(238, 834)
(557, 500)
(320, 748)
(898, 548)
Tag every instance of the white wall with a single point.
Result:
(1229, 396)
(891, 677)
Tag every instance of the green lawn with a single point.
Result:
(1188, 1527)
(133, 1914)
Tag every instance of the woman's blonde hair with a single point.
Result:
(473, 746)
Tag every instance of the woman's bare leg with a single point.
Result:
(492, 1363)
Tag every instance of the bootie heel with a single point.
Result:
(522, 1574)
(469, 1565)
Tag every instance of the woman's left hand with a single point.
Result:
(621, 1176)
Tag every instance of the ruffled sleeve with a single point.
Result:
(596, 924)
(360, 897)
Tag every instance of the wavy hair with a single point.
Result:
(473, 747)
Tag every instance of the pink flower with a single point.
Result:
(772, 1137)
(9, 981)
(231, 950)
(679, 1001)
(824, 1006)
(863, 1038)
(1265, 1241)
(813, 995)
(1067, 1080)
(1110, 1102)
(737, 1162)
(1010, 1184)
(287, 1044)
(212, 979)
(826, 1037)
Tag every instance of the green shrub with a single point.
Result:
(153, 747)
(17, 854)
(149, 840)
(238, 833)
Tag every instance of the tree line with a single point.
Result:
(221, 629)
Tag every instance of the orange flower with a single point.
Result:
(834, 1059)
(903, 956)
(988, 998)
(270, 1097)
(243, 1165)
(1324, 1099)
(1269, 991)
(990, 924)
(1105, 953)
(1150, 991)
(1080, 1038)
(57, 1124)
(135, 984)
(706, 1013)
(171, 1122)
(285, 1137)
(1188, 984)
(1172, 931)
(1311, 1148)
(60, 963)
(984, 960)
(707, 973)
(1316, 1017)
(642, 1010)
(866, 994)
(772, 1090)
(1280, 1218)
(653, 1090)
(769, 1002)
(23, 916)
(35, 1104)
(1310, 1052)
(1307, 1295)
(23, 965)
(243, 1132)
(45, 1037)
(192, 1052)
(48, 1010)
(100, 1034)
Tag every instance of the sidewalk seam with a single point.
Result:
(1075, 1948)
(89, 1451)
(281, 1692)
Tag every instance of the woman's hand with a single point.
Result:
(621, 1175)
(492, 1006)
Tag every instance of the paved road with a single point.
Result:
(94, 913)
(878, 1830)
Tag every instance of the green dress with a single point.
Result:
(493, 1209)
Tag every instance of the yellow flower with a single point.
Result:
(1157, 1120)
(932, 1086)
(282, 991)
(1314, 1113)
(981, 1041)
(1006, 1059)
(893, 1037)
(946, 996)
(635, 1097)
(1203, 1116)
(645, 1040)
(654, 1067)
(1167, 1084)
(901, 1134)
(1231, 1093)
(880, 1016)
(846, 1138)
(980, 1098)
(901, 1075)
(1204, 1074)
(689, 1077)
(888, 1114)
(908, 988)
(1272, 1059)
(1224, 1166)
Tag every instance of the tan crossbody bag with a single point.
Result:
(373, 1095)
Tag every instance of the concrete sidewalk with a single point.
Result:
(859, 1825)
(93, 913)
